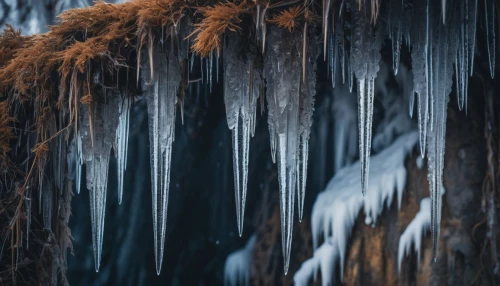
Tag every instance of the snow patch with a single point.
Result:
(336, 209)
(414, 231)
(237, 266)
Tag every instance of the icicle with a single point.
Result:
(217, 66)
(396, 31)
(472, 33)
(201, 66)
(241, 102)
(420, 69)
(342, 54)
(365, 57)
(122, 142)
(489, 8)
(350, 75)
(283, 71)
(412, 102)
(436, 141)
(443, 9)
(161, 99)
(306, 107)
(209, 71)
(98, 126)
(79, 162)
(27, 207)
(47, 207)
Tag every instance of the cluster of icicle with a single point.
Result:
(441, 35)
(290, 100)
(102, 126)
(289, 70)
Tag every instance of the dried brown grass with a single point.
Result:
(289, 18)
(6, 134)
(216, 20)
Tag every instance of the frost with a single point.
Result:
(337, 207)
(237, 266)
(241, 92)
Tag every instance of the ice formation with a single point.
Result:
(365, 57)
(290, 97)
(122, 141)
(98, 123)
(489, 17)
(161, 96)
(237, 265)
(241, 90)
(337, 207)
(441, 38)
(414, 232)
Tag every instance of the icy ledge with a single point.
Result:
(337, 207)
(237, 266)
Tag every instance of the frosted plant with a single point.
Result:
(237, 265)
(241, 90)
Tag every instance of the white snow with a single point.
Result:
(237, 265)
(337, 207)
(414, 232)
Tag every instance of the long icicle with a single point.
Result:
(161, 99)
(99, 123)
(306, 107)
(365, 56)
(240, 97)
(490, 10)
(122, 142)
(283, 73)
